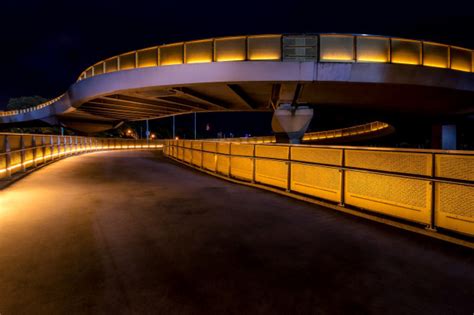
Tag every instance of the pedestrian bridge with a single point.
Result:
(252, 73)
(130, 231)
(427, 188)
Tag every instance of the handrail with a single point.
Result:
(29, 109)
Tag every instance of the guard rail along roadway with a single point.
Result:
(20, 152)
(432, 188)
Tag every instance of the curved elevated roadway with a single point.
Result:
(259, 73)
(132, 232)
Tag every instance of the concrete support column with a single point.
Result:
(289, 123)
(444, 137)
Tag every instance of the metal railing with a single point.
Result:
(346, 48)
(20, 152)
(433, 188)
(364, 129)
(30, 109)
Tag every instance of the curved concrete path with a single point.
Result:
(134, 233)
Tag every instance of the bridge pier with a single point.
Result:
(444, 137)
(289, 123)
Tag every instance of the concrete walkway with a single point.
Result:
(134, 233)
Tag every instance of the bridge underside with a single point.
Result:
(107, 111)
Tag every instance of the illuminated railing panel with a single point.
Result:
(435, 55)
(19, 152)
(406, 51)
(373, 49)
(171, 54)
(264, 47)
(199, 51)
(147, 57)
(336, 48)
(461, 59)
(127, 61)
(230, 49)
(397, 183)
(111, 65)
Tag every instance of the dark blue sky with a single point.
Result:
(46, 44)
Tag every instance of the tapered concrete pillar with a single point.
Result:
(444, 137)
(289, 123)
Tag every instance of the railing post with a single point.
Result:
(432, 226)
(216, 156)
(59, 146)
(33, 145)
(342, 170)
(230, 160)
(43, 149)
(8, 157)
(22, 153)
(288, 184)
(253, 164)
(202, 155)
(51, 144)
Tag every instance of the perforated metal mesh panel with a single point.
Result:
(274, 173)
(406, 51)
(197, 157)
(318, 181)
(223, 164)
(188, 155)
(39, 151)
(264, 47)
(373, 49)
(223, 148)
(230, 49)
(171, 54)
(241, 149)
(272, 151)
(461, 59)
(454, 207)
(111, 65)
(196, 145)
(336, 48)
(209, 161)
(241, 167)
(396, 196)
(199, 51)
(99, 69)
(147, 57)
(209, 146)
(399, 162)
(435, 55)
(28, 141)
(317, 155)
(455, 166)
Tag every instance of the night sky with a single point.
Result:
(46, 44)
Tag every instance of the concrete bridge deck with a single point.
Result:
(134, 233)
